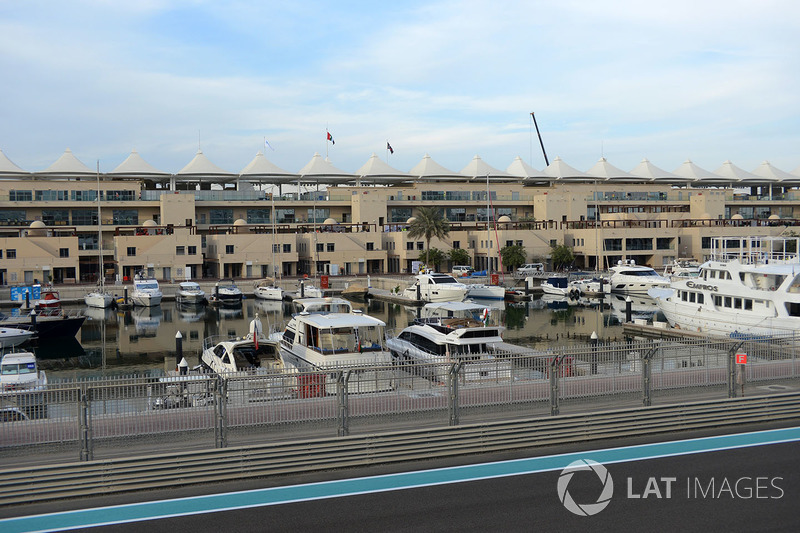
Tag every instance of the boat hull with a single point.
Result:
(100, 300)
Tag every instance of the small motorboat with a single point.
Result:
(10, 337)
(19, 371)
(226, 294)
(190, 293)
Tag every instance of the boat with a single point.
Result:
(452, 332)
(146, 292)
(226, 294)
(265, 289)
(682, 268)
(190, 293)
(333, 342)
(434, 287)
(750, 286)
(19, 371)
(323, 305)
(48, 299)
(11, 337)
(306, 290)
(355, 292)
(47, 324)
(487, 292)
(590, 287)
(556, 285)
(642, 307)
(629, 278)
(99, 297)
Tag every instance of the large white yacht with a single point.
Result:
(629, 278)
(435, 287)
(329, 341)
(751, 286)
(452, 332)
(146, 292)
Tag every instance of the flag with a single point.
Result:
(330, 138)
(266, 143)
(389, 147)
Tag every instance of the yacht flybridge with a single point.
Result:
(751, 285)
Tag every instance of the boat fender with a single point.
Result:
(772, 288)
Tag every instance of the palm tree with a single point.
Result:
(429, 223)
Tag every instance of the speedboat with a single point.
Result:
(486, 292)
(629, 278)
(19, 371)
(146, 292)
(434, 287)
(266, 289)
(226, 293)
(556, 285)
(190, 293)
(326, 342)
(49, 300)
(451, 333)
(591, 287)
(10, 337)
(749, 289)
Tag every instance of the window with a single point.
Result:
(228, 248)
(192, 250)
(63, 252)
(276, 248)
(287, 248)
(12, 216)
(663, 243)
(20, 196)
(320, 247)
(51, 196)
(330, 247)
(409, 246)
(84, 217)
(125, 216)
(456, 244)
(83, 196)
(284, 216)
(131, 251)
(220, 216)
(258, 216)
(399, 214)
(180, 250)
(370, 246)
(55, 217)
(11, 253)
(420, 245)
(1, 254)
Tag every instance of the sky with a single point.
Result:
(706, 80)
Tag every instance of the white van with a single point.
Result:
(460, 271)
(530, 268)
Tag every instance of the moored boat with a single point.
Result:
(11, 337)
(629, 278)
(146, 292)
(190, 293)
(20, 371)
(435, 287)
(265, 289)
(226, 294)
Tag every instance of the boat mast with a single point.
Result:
(488, 234)
(101, 273)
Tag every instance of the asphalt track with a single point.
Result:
(741, 482)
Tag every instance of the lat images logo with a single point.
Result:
(585, 509)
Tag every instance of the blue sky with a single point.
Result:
(707, 80)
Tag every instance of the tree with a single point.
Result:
(513, 256)
(433, 257)
(459, 256)
(429, 222)
(562, 256)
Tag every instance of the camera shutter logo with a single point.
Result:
(585, 509)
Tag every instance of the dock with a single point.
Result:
(659, 330)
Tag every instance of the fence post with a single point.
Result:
(732, 369)
(452, 388)
(221, 411)
(342, 378)
(555, 370)
(647, 373)
(85, 421)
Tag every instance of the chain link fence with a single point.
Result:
(95, 418)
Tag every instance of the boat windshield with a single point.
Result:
(148, 286)
(443, 279)
(641, 273)
(12, 369)
(350, 339)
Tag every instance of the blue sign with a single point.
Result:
(18, 293)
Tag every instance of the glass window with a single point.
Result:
(83, 196)
(55, 217)
(258, 216)
(284, 216)
(9, 217)
(228, 248)
(125, 216)
(131, 251)
(63, 252)
(287, 248)
(11, 253)
(20, 196)
(330, 247)
(399, 214)
(180, 250)
(192, 250)
(220, 216)
(52, 196)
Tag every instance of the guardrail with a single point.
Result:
(24, 485)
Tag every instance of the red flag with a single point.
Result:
(330, 138)
(389, 147)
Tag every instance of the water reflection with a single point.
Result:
(119, 342)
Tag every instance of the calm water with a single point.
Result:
(139, 341)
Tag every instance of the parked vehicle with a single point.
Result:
(530, 269)
(460, 271)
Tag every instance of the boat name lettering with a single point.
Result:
(693, 285)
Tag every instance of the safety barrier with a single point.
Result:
(21, 485)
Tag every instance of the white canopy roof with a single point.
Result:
(767, 172)
(376, 170)
(647, 170)
(135, 166)
(606, 171)
(563, 172)
(201, 167)
(700, 175)
(734, 173)
(67, 166)
(521, 169)
(428, 169)
(261, 168)
(319, 170)
(478, 170)
(8, 169)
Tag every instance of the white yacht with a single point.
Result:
(265, 289)
(556, 285)
(434, 287)
(10, 337)
(452, 332)
(19, 371)
(629, 278)
(146, 292)
(485, 292)
(682, 268)
(226, 293)
(589, 287)
(99, 298)
(190, 293)
(751, 286)
(331, 341)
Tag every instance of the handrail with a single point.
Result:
(69, 480)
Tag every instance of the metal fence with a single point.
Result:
(84, 416)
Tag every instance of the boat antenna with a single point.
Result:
(547, 162)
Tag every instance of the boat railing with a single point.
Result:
(756, 250)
